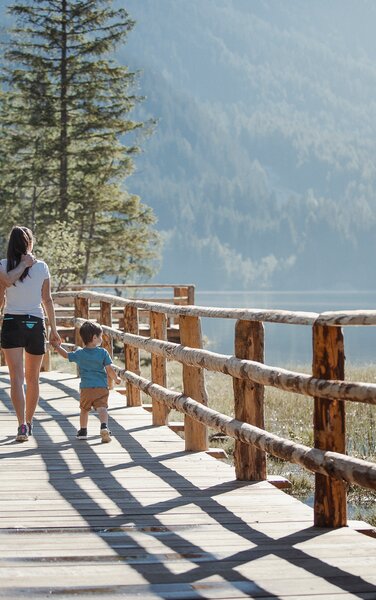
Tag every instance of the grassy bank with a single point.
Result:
(290, 416)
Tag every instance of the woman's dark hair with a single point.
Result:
(19, 243)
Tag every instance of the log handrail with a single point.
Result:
(326, 385)
(79, 286)
(271, 316)
(333, 464)
(334, 318)
(283, 379)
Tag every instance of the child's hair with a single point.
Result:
(88, 330)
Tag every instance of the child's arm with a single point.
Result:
(112, 374)
(61, 351)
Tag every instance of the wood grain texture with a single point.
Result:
(334, 464)
(284, 379)
(330, 504)
(195, 433)
(140, 517)
(131, 354)
(250, 462)
(158, 330)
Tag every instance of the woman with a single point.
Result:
(24, 328)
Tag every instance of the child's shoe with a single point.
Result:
(105, 434)
(82, 434)
(22, 433)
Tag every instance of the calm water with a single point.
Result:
(286, 345)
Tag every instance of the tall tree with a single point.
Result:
(65, 123)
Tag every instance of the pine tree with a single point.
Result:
(65, 119)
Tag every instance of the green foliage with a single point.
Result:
(63, 250)
(65, 116)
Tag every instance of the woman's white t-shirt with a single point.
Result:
(25, 297)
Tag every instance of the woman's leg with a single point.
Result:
(33, 363)
(14, 359)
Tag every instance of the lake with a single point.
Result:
(288, 345)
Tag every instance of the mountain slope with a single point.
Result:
(261, 169)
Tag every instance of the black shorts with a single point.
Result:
(24, 331)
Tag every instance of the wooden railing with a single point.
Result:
(333, 469)
(177, 294)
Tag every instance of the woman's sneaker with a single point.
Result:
(105, 434)
(29, 428)
(22, 434)
(81, 434)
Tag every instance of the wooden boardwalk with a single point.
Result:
(141, 518)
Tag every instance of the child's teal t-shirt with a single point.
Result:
(91, 363)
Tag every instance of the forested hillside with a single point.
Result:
(262, 167)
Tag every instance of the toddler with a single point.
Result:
(94, 365)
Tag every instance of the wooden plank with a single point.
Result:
(140, 517)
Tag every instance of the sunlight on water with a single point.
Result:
(287, 345)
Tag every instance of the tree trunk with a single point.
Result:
(63, 144)
(33, 209)
(88, 248)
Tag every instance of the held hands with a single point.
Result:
(55, 339)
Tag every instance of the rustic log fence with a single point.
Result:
(333, 469)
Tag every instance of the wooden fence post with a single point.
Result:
(105, 318)
(250, 462)
(330, 504)
(191, 294)
(131, 354)
(196, 435)
(81, 311)
(158, 330)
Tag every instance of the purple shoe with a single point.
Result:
(22, 433)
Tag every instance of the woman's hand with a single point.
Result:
(55, 339)
(28, 260)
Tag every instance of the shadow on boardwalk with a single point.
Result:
(162, 525)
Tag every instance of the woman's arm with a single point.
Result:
(2, 295)
(50, 310)
(8, 279)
